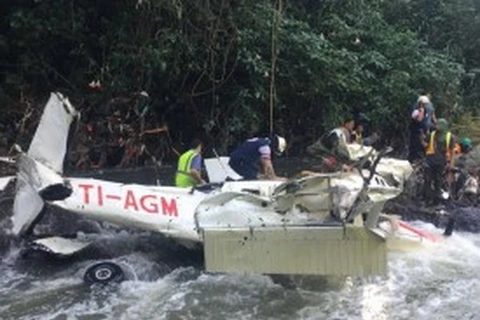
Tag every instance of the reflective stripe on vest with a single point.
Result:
(431, 145)
(183, 177)
(358, 138)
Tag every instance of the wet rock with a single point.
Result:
(467, 218)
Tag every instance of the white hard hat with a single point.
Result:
(282, 144)
(423, 99)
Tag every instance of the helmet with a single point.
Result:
(423, 99)
(466, 144)
(442, 124)
(281, 144)
(278, 144)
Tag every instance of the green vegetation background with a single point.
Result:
(225, 69)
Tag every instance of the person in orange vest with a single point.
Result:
(461, 150)
(439, 157)
(465, 178)
(464, 146)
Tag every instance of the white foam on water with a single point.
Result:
(439, 283)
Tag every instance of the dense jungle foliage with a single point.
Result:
(226, 69)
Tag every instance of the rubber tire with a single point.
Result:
(104, 272)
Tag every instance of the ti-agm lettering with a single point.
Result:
(169, 209)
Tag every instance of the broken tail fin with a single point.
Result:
(39, 170)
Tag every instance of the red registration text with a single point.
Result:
(130, 200)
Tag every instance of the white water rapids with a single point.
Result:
(438, 283)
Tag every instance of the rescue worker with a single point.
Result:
(335, 141)
(430, 119)
(466, 184)
(332, 147)
(253, 158)
(189, 167)
(357, 134)
(344, 132)
(417, 129)
(439, 151)
(461, 149)
(464, 146)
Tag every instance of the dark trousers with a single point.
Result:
(416, 151)
(433, 181)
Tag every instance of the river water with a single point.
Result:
(168, 282)
(165, 283)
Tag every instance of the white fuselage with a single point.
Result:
(182, 212)
(168, 210)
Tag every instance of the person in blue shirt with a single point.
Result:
(418, 130)
(253, 158)
(430, 119)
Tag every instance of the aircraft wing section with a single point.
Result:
(39, 171)
(26, 207)
(49, 145)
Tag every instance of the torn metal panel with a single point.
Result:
(218, 170)
(322, 250)
(60, 246)
(312, 195)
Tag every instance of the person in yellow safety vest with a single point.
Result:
(357, 134)
(462, 149)
(189, 167)
(439, 150)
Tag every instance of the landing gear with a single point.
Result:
(104, 272)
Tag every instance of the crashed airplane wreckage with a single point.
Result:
(325, 224)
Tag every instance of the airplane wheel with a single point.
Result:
(104, 272)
